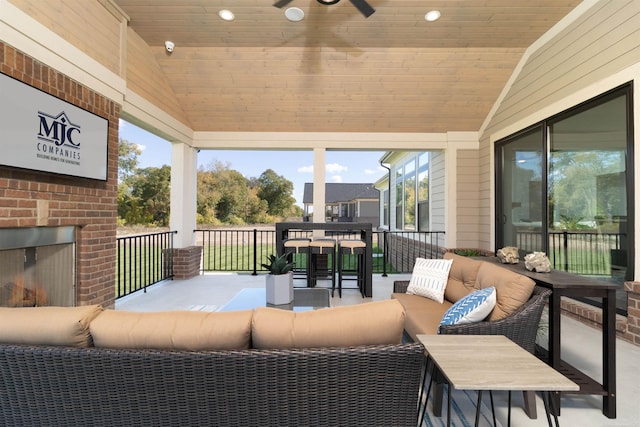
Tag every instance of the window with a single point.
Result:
(423, 192)
(565, 187)
(399, 198)
(409, 195)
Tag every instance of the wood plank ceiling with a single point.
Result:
(336, 71)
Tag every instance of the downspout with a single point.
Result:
(385, 234)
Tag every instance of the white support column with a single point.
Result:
(183, 193)
(319, 173)
(451, 196)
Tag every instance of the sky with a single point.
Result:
(296, 166)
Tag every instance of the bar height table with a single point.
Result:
(572, 285)
(364, 229)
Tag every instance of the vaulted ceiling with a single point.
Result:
(335, 70)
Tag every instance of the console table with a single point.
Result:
(572, 285)
(364, 229)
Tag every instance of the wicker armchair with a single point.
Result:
(520, 327)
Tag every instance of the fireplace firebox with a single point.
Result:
(37, 266)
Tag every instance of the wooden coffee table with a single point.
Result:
(492, 362)
(303, 299)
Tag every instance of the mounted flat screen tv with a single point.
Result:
(41, 132)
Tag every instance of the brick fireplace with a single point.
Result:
(30, 199)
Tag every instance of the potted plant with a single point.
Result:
(279, 281)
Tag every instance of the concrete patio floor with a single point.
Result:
(581, 345)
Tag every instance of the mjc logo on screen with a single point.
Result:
(57, 134)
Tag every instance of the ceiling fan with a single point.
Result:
(362, 5)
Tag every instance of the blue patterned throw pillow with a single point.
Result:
(472, 308)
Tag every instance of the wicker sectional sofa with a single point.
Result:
(517, 313)
(85, 366)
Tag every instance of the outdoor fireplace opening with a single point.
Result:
(37, 267)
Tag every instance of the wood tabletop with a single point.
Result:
(491, 362)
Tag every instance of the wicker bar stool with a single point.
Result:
(320, 264)
(298, 250)
(350, 248)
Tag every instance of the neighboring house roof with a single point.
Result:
(335, 192)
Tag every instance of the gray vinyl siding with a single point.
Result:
(598, 44)
(437, 191)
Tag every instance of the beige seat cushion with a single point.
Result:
(423, 315)
(512, 289)
(371, 323)
(176, 330)
(64, 326)
(462, 277)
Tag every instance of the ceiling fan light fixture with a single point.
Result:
(328, 2)
(294, 14)
(226, 15)
(432, 15)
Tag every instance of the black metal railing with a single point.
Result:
(143, 260)
(246, 250)
(579, 252)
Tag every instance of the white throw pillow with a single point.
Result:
(472, 308)
(429, 278)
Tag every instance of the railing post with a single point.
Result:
(566, 249)
(255, 252)
(384, 253)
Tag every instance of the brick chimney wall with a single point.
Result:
(30, 198)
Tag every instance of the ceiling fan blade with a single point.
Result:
(282, 3)
(364, 7)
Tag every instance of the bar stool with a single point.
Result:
(320, 266)
(298, 248)
(350, 248)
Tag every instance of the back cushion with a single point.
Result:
(64, 326)
(512, 289)
(176, 330)
(462, 277)
(372, 323)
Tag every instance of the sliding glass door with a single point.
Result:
(565, 187)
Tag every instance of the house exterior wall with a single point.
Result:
(597, 52)
(437, 215)
(468, 203)
(30, 198)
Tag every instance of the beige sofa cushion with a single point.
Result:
(371, 323)
(64, 326)
(512, 289)
(176, 330)
(423, 315)
(462, 277)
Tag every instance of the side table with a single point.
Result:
(492, 362)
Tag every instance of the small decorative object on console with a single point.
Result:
(538, 262)
(508, 255)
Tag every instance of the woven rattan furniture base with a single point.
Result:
(63, 386)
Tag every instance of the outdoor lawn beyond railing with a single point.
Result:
(143, 260)
(246, 250)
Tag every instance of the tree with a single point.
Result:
(277, 191)
(128, 153)
(151, 193)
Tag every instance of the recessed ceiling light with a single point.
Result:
(433, 15)
(226, 15)
(294, 14)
